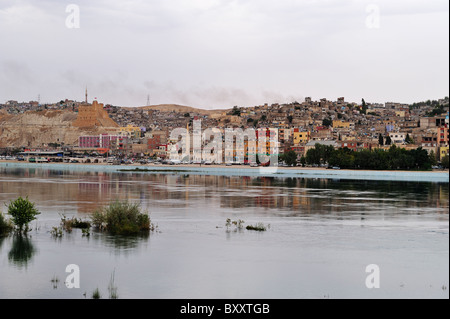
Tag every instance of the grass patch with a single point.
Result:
(96, 294)
(68, 224)
(112, 288)
(122, 218)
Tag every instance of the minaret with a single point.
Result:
(86, 96)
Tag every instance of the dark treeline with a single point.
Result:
(377, 159)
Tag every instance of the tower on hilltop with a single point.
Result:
(92, 115)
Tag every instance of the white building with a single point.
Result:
(397, 138)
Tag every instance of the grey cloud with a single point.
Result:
(222, 53)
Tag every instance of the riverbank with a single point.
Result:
(280, 172)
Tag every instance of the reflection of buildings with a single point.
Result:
(88, 191)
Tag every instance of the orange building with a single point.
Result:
(93, 115)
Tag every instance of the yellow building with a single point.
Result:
(443, 151)
(301, 137)
(341, 124)
(400, 113)
(131, 131)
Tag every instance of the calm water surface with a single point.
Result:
(322, 235)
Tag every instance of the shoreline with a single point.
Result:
(237, 170)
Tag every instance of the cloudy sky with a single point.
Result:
(221, 53)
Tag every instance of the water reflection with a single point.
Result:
(88, 191)
(22, 251)
(120, 244)
(2, 239)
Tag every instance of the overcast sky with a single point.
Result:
(221, 53)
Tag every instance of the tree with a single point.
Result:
(290, 118)
(320, 154)
(380, 140)
(313, 157)
(421, 159)
(343, 158)
(290, 158)
(236, 111)
(364, 107)
(22, 212)
(445, 162)
(327, 122)
(388, 140)
(433, 159)
(303, 161)
(408, 139)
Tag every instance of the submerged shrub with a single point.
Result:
(122, 218)
(56, 232)
(257, 227)
(239, 224)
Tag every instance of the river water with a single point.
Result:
(322, 235)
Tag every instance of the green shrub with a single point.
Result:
(22, 212)
(122, 218)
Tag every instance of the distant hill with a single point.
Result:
(182, 109)
(36, 128)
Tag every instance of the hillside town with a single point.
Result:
(144, 132)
